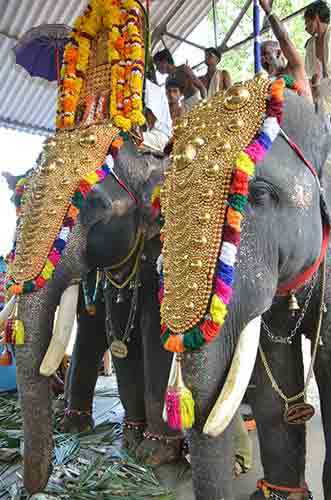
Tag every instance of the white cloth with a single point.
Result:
(155, 139)
(311, 65)
(311, 57)
(192, 101)
(156, 100)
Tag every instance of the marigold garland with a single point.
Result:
(125, 53)
(246, 161)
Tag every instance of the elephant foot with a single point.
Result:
(281, 495)
(76, 421)
(156, 450)
(133, 435)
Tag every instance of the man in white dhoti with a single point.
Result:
(318, 54)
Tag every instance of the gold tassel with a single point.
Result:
(18, 327)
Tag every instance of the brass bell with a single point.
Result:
(293, 305)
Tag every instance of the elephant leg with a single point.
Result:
(323, 375)
(282, 446)
(129, 370)
(212, 458)
(161, 444)
(89, 348)
(130, 380)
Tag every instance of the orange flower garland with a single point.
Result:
(125, 52)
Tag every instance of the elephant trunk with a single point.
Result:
(37, 311)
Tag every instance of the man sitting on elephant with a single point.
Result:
(281, 57)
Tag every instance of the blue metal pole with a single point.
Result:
(257, 41)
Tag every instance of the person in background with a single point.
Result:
(214, 80)
(164, 62)
(158, 118)
(175, 96)
(282, 57)
(318, 53)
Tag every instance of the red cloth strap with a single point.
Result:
(264, 484)
(306, 275)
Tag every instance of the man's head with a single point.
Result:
(316, 15)
(174, 90)
(273, 60)
(212, 57)
(163, 61)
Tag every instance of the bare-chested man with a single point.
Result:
(318, 53)
(282, 57)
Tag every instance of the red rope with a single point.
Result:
(305, 276)
(264, 484)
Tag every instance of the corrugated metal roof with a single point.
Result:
(29, 103)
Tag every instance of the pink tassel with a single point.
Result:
(173, 409)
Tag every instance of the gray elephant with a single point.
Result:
(285, 226)
(281, 237)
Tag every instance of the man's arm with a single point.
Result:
(226, 79)
(288, 48)
(198, 84)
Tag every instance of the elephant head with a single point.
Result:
(281, 236)
(103, 235)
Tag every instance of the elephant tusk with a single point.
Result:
(62, 331)
(6, 311)
(237, 380)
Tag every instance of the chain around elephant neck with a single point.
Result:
(303, 393)
(277, 339)
(110, 327)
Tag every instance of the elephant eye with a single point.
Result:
(262, 193)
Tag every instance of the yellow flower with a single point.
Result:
(48, 270)
(122, 123)
(245, 164)
(136, 53)
(218, 310)
(137, 118)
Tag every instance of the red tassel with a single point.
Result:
(6, 357)
(9, 331)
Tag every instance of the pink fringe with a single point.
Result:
(223, 291)
(173, 409)
(256, 152)
(54, 257)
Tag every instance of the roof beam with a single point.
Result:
(8, 35)
(264, 30)
(161, 28)
(24, 127)
(223, 49)
(183, 40)
(235, 25)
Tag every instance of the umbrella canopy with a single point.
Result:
(40, 50)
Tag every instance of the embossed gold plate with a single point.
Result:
(196, 190)
(67, 157)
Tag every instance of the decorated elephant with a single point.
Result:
(87, 204)
(274, 223)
